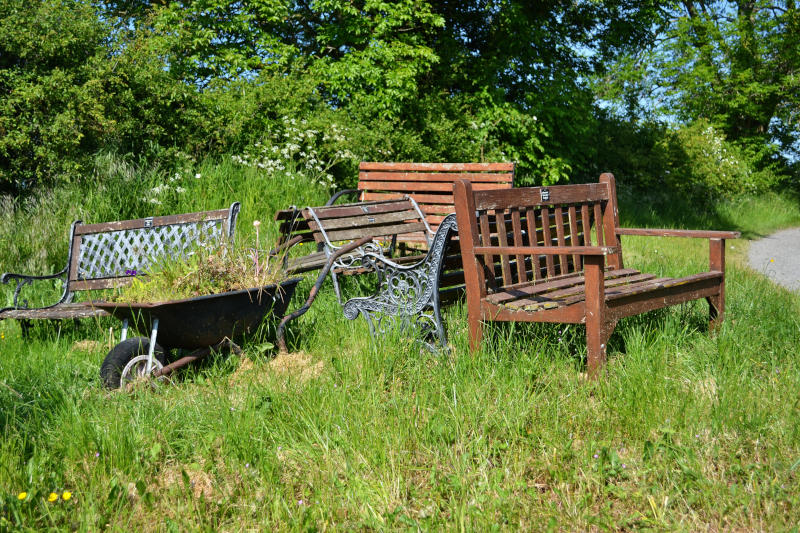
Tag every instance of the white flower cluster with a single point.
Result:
(730, 169)
(156, 194)
(298, 149)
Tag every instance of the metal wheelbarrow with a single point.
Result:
(202, 324)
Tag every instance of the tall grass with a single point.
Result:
(686, 431)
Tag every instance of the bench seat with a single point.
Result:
(621, 287)
(57, 312)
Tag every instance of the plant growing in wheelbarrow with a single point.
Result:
(203, 302)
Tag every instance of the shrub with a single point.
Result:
(703, 163)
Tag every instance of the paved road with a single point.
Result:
(778, 256)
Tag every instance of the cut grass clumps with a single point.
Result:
(203, 271)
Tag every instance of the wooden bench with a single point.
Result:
(358, 238)
(559, 259)
(430, 184)
(109, 254)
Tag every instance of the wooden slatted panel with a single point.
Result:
(548, 240)
(570, 280)
(586, 224)
(598, 223)
(430, 184)
(562, 258)
(575, 237)
(486, 238)
(503, 240)
(516, 223)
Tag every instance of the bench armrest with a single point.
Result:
(547, 250)
(339, 194)
(26, 279)
(279, 333)
(689, 233)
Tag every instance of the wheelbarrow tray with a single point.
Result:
(206, 320)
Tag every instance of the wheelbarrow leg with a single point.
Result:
(152, 346)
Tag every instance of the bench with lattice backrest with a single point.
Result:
(111, 254)
(559, 259)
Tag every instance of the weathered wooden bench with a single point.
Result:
(110, 254)
(358, 238)
(552, 269)
(429, 184)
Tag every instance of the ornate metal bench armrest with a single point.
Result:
(339, 194)
(26, 279)
(315, 289)
(406, 292)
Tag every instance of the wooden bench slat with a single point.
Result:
(415, 188)
(168, 220)
(377, 219)
(419, 198)
(59, 312)
(532, 196)
(437, 167)
(435, 177)
(376, 231)
(586, 224)
(362, 208)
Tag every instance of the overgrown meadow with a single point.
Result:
(684, 432)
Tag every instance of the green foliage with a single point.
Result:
(732, 63)
(699, 160)
(71, 88)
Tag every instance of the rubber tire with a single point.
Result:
(121, 354)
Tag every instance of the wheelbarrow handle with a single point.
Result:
(315, 289)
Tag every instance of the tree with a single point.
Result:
(734, 63)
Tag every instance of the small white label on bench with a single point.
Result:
(545, 195)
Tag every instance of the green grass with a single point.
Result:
(685, 432)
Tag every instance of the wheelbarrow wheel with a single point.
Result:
(122, 354)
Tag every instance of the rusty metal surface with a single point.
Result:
(205, 320)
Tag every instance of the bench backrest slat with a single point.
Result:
(104, 255)
(337, 223)
(533, 217)
(429, 184)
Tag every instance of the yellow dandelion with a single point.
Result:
(771, 260)
(22, 495)
(53, 497)
(67, 495)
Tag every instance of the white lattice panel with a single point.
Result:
(117, 253)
